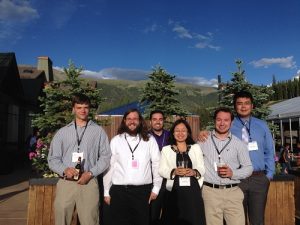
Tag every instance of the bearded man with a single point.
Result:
(132, 181)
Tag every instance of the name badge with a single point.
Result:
(134, 164)
(184, 181)
(252, 146)
(215, 166)
(76, 155)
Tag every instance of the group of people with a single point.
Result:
(164, 177)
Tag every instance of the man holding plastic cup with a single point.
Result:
(227, 161)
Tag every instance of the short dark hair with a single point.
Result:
(80, 99)
(156, 111)
(242, 94)
(223, 109)
(189, 140)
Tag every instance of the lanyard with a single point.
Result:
(248, 129)
(132, 151)
(219, 152)
(81, 136)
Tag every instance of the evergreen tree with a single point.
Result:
(56, 110)
(159, 94)
(261, 94)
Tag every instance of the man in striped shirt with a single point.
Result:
(227, 161)
(80, 138)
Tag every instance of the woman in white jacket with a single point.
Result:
(183, 166)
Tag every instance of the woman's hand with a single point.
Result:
(187, 172)
(190, 172)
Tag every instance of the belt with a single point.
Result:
(220, 186)
(258, 173)
(132, 186)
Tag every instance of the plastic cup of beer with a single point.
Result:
(220, 166)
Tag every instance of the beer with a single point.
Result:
(78, 169)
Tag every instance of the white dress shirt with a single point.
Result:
(121, 171)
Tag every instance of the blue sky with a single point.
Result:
(195, 40)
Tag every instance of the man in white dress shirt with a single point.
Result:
(128, 184)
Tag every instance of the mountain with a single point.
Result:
(121, 92)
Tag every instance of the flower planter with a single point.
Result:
(280, 208)
(41, 199)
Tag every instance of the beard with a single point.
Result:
(132, 132)
(221, 132)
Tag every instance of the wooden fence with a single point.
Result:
(280, 208)
(41, 198)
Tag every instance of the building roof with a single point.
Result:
(29, 72)
(10, 83)
(286, 109)
(124, 108)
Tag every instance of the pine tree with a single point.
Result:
(159, 94)
(57, 100)
(261, 94)
(56, 111)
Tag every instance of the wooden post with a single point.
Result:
(280, 208)
(41, 199)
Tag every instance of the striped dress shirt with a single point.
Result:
(235, 155)
(94, 145)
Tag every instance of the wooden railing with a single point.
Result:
(280, 208)
(41, 199)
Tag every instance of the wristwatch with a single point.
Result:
(90, 173)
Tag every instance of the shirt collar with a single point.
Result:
(228, 135)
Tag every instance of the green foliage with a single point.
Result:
(159, 93)
(56, 105)
(285, 89)
(261, 94)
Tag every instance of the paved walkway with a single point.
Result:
(14, 197)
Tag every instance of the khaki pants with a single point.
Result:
(223, 203)
(85, 197)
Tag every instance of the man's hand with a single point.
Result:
(107, 199)
(85, 178)
(225, 172)
(153, 196)
(203, 135)
(70, 172)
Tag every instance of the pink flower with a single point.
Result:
(32, 155)
(39, 143)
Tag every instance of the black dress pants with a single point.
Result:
(129, 204)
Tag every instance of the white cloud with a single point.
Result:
(14, 18)
(202, 40)
(182, 32)
(62, 13)
(201, 81)
(118, 73)
(136, 75)
(17, 11)
(287, 62)
(297, 76)
(151, 28)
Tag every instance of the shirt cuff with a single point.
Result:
(106, 193)
(155, 190)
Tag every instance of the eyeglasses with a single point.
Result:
(180, 131)
(132, 119)
(244, 103)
